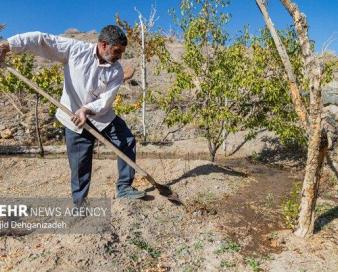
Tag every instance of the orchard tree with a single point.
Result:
(223, 88)
(206, 80)
(49, 79)
(316, 74)
(142, 42)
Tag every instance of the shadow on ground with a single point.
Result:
(325, 218)
(207, 169)
(275, 152)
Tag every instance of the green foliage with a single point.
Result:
(49, 79)
(269, 88)
(328, 68)
(223, 88)
(291, 206)
(228, 246)
(205, 79)
(140, 243)
(125, 108)
(135, 41)
(24, 64)
(254, 264)
(226, 264)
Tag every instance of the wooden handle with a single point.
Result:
(96, 134)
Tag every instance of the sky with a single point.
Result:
(85, 15)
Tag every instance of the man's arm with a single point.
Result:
(106, 99)
(99, 106)
(80, 117)
(54, 48)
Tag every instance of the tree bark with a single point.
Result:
(317, 142)
(144, 79)
(212, 151)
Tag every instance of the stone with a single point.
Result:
(6, 133)
(330, 93)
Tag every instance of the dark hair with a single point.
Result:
(113, 35)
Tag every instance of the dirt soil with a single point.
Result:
(230, 220)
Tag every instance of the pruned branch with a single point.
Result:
(302, 31)
(328, 42)
(11, 100)
(150, 22)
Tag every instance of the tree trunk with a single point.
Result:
(316, 153)
(144, 80)
(312, 174)
(310, 189)
(212, 150)
(316, 146)
(37, 128)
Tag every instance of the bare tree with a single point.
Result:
(145, 27)
(317, 144)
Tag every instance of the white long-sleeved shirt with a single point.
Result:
(86, 82)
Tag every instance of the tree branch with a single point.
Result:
(295, 93)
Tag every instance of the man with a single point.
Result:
(92, 77)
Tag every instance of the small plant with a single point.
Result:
(255, 156)
(228, 246)
(233, 246)
(198, 245)
(274, 235)
(133, 257)
(254, 264)
(188, 268)
(205, 198)
(109, 248)
(333, 181)
(226, 264)
(291, 206)
(182, 250)
(139, 242)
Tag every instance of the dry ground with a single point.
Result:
(230, 220)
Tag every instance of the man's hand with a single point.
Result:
(4, 49)
(128, 72)
(80, 117)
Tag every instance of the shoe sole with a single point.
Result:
(132, 197)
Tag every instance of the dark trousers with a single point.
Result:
(80, 155)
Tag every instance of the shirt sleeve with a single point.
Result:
(48, 46)
(106, 99)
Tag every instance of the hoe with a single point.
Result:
(163, 189)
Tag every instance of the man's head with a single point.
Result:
(112, 43)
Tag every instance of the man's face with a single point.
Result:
(111, 53)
